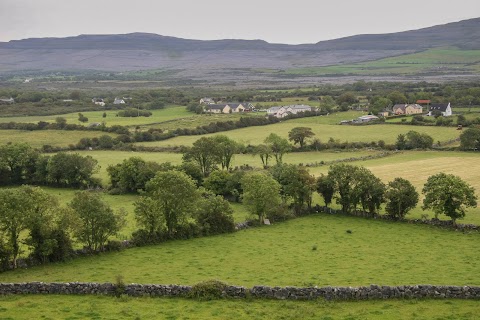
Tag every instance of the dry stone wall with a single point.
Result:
(263, 292)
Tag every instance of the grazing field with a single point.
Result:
(367, 133)
(376, 252)
(100, 307)
(167, 114)
(55, 138)
(107, 158)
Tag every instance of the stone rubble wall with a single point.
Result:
(263, 292)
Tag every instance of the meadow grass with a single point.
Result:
(161, 115)
(107, 158)
(376, 252)
(101, 307)
(367, 133)
(55, 138)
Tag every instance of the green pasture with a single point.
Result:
(365, 133)
(55, 138)
(196, 120)
(376, 252)
(101, 307)
(161, 115)
(107, 158)
(439, 60)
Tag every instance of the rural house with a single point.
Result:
(284, 111)
(217, 108)
(444, 108)
(207, 101)
(98, 101)
(118, 101)
(407, 109)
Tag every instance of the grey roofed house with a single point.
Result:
(400, 106)
(444, 108)
(118, 101)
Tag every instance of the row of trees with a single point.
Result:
(49, 227)
(20, 164)
(352, 186)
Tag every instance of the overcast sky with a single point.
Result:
(276, 21)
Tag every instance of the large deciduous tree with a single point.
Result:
(205, 153)
(278, 145)
(299, 135)
(71, 169)
(96, 219)
(261, 194)
(448, 194)
(470, 139)
(401, 197)
(226, 148)
(296, 184)
(17, 163)
(173, 196)
(326, 187)
(132, 174)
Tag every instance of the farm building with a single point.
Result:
(366, 118)
(407, 109)
(207, 101)
(444, 108)
(7, 100)
(283, 111)
(229, 108)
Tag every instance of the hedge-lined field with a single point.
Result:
(375, 252)
(55, 138)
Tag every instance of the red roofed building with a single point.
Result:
(422, 102)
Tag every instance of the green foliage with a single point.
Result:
(225, 183)
(470, 139)
(132, 174)
(226, 149)
(208, 290)
(82, 118)
(134, 113)
(214, 215)
(414, 140)
(70, 169)
(356, 185)
(96, 220)
(261, 194)
(300, 134)
(174, 196)
(379, 104)
(401, 197)
(326, 188)
(278, 146)
(296, 184)
(17, 163)
(205, 153)
(119, 285)
(448, 194)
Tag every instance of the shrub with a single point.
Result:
(119, 285)
(208, 290)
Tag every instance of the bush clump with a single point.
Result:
(208, 290)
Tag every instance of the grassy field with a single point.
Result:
(368, 133)
(167, 114)
(54, 138)
(432, 61)
(107, 158)
(376, 252)
(89, 307)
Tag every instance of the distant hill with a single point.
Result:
(221, 59)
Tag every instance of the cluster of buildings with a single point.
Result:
(283, 111)
(210, 106)
(101, 101)
(444, 109)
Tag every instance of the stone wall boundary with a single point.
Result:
(372, 292)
